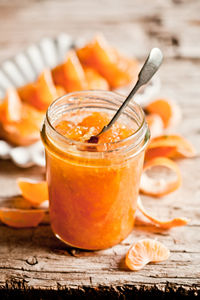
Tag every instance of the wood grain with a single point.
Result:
(33, 262)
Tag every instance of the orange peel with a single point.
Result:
(159, 187)
(171, 146)
(168, 110)
(167, 224)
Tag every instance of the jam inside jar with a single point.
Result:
(93, 188)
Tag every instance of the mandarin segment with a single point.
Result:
(21, 218)
(94, 80)
(144, 251)
(115, 68)
(27, 130)
(41, 93)
(11, 107)
(168, 110)
(70, 75)
(33, 191)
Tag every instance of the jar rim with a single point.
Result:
(97, 93)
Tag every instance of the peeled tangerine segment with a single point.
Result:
(41, 93)
(11, 107)
(21, 218)
(94, 80)
(115, 68)
(168, 110)
(27, 130)
(70, 75)
(171, 146)
(167, 224)
(35, 192)
(160, 177)
(145, 251)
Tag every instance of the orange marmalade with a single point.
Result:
(93, 188)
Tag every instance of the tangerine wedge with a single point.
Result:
(41, 93)
(11, 107)
(21, 218)
(153, 184)
(167, 224)
(115, 68)
(27, 130)
(168, 110)
(145, 251)
(33, 191)
(70, 75)
(171, 146)
(94, 80)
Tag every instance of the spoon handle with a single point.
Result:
(149, 68)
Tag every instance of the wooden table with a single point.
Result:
(33, 263)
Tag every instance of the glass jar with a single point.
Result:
(93, 190)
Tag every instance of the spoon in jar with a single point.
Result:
(149, 68)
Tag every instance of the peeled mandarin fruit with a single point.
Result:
(115, 68)
(27, 130)
(21, 218)
(94, 80)
(153, 182)
(145, 251)
(172, 146)
(11, 107)
(33, 191)
(167, 224)
(70, 75)
(168, 110)
(41, 93)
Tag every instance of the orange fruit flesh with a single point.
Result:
(92, 201)
(34, 192)
(145, 251)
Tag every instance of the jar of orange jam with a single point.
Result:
(93, 188)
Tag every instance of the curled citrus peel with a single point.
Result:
(153, 184)
(21, 218)
(160, 223)
(145, 251)
(172, 146)
(34, 192)
(168, 110)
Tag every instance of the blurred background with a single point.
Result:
(132, 25)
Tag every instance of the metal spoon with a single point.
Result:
(149, 68)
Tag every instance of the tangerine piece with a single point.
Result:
(172, 146)
(168, 110)
(70, 75)
(33, 191)
(156, 185)
(41, 93)
(155, 124)
(11, 107)
(60, 91)
(21, 218)
(167, 224)
(94, 80)
(144, 251)
(27, 130)
(115, 68)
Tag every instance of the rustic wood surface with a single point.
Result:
(33, 263)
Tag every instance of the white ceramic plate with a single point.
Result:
(24, 68)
